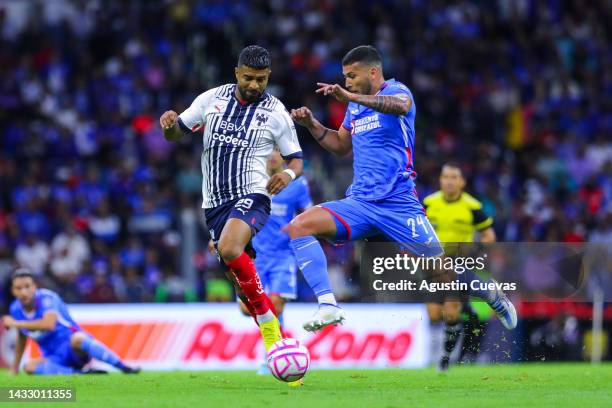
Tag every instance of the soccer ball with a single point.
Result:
(288, 360)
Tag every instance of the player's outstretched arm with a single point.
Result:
(392, 104)
(19, 349)
(169, 124)
(337, 142)
(47, 322)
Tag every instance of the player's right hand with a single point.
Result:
(302, 116)
(168, 119)
(8, 321)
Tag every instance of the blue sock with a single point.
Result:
(313, 264)
(100, 352)
(50, 368)
(281, 321)
(469, 277)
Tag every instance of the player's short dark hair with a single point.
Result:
(255, 57)
(454, 165)
(22, 273)
(365, 54)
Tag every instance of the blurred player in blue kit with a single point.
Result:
(275, 260)
(379, 130)
(41, 315)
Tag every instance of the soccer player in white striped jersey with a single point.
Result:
(242, 124)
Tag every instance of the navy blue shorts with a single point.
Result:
(253, 209)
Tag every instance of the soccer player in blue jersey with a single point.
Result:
(41, 315)
(379, 130)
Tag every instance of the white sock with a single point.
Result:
(327, 298)
(266, 317)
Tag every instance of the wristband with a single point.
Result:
(291, 173)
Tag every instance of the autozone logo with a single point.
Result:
(229, 139)
(214, 341)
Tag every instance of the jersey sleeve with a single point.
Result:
(348, 119)
(480, 220)
(49, 303)
(192, 119)
(304, 198)
(285, 136)
(401, 91)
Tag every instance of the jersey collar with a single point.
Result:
(385, 84)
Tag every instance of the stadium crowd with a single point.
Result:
(518, 92)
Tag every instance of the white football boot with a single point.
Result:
(326, 314)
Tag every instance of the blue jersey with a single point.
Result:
(44, 301)
(296, 196)
(382, 148)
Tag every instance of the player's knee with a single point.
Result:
(451, 313)
(76, 340)
(229, 250)
(298, 227)
(435, 313)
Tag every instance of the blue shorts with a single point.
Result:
(253, 209)
(65, 355)
(278, 273)
(399, 218)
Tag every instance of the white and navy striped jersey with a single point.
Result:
(238, 138)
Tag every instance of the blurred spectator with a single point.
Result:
(173, 288)
(71, 245)
(33, 253)
(103, 224)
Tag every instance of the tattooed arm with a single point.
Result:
(393, 104)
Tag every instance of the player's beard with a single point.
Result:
(248, 95)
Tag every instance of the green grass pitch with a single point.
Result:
(524, 385)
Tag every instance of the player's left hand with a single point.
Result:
(8, 321)
(334, 90)
(278, 182)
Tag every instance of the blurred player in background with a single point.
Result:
(456, 216)
(41, 315)
(379, 129)
(274, 259)
(242, 123)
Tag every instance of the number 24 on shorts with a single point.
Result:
(422, 222)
